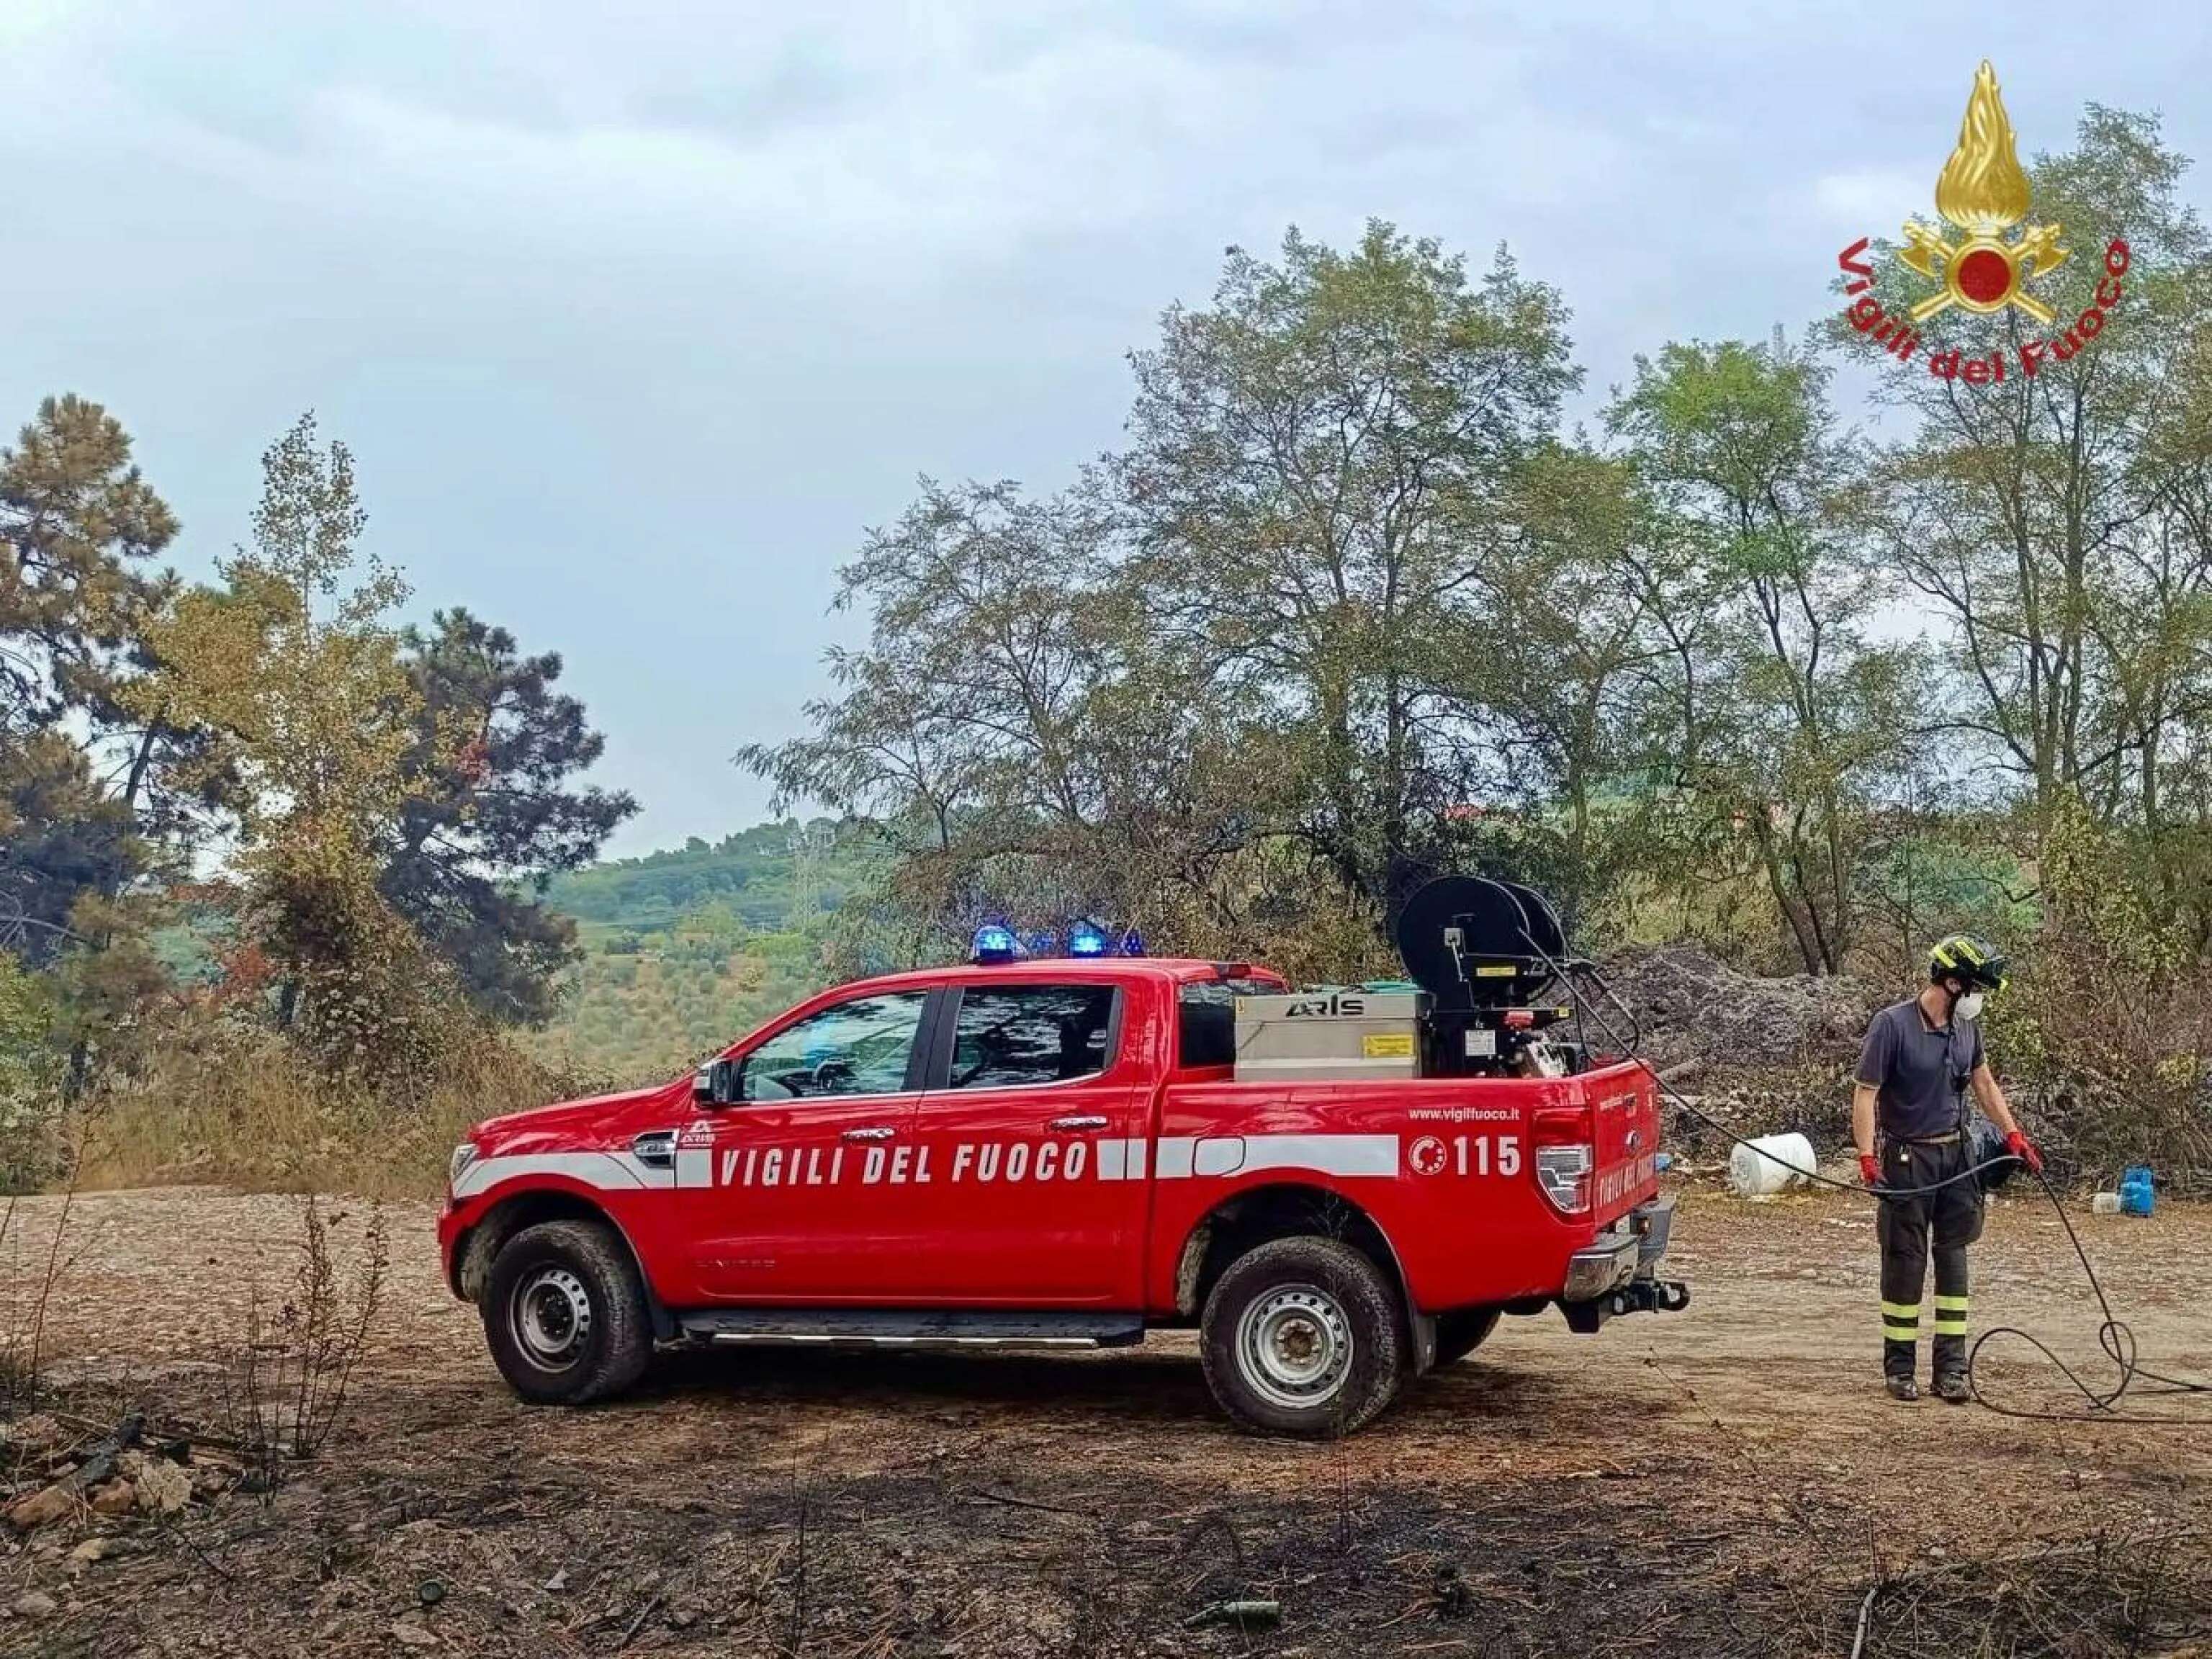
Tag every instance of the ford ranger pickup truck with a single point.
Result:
(1056, 1153)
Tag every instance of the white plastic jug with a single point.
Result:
(1784, 1158)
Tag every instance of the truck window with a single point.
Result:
(1016, 1036)
(1207, 1029)
(859, 1046)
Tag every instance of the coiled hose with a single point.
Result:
(2113, 1335)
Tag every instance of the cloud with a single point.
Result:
(637, 315)
(1870, 199)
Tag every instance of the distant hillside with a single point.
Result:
(773, 876)
(688, 948)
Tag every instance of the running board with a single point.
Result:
(895, 1327)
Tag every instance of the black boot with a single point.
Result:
(1953, 1387)
(1903, 1387)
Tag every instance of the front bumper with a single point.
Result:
(1617, 1272)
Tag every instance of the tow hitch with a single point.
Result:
(1638, 1296)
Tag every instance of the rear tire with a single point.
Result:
(1460, 1333)
(1304, 1336)
(564, 1314)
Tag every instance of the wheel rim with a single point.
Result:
(1295, 1345)
(550, 1313)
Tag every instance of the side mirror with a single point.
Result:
(718, 1083)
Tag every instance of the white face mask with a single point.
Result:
(1968, 1007)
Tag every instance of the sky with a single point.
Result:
(636, 323)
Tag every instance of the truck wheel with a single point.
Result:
(565, 1314)
(1303, 1336)
(1459, 1334)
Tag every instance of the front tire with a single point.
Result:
(1460, 1333)
(1304, 1336)
(564, 1314)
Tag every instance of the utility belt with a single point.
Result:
(1950, 1139)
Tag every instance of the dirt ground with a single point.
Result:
(1729, 1479)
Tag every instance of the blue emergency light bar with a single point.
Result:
(996, 942)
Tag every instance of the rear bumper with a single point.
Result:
(1594, 1271)
(1617, 1272)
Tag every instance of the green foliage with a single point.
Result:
(1802, 717)
(491, 813)
(684, 993)
(30, 1078)
(686, 949)
(77, 525)
(1220, 691)
(76, 519)
(293, 667)
(1314, 463)
(773, 876)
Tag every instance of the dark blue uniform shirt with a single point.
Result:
(1920, 1071)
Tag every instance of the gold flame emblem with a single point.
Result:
(1983, 192)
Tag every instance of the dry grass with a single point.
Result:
(251, 1111)
(285, 1387)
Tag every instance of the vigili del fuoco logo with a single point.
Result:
(1982, 195)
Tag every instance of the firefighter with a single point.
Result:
(1910, 1116)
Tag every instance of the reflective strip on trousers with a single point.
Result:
(1950, 1315)
(1900, 1322)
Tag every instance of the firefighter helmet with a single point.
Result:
(1965, 956)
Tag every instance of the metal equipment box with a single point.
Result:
(1346, 1032)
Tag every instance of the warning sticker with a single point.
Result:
(1388, 1045)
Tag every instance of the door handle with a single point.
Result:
(873, 1132)
(1086, 1120)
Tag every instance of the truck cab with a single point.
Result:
(1056, 1153)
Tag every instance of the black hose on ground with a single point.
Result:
(2113, 1335)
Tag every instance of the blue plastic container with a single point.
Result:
(2137, 1195)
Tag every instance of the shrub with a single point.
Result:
(30, 1082)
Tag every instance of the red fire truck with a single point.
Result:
(1058, 1152)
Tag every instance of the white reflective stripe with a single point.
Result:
(1223, 1155)
(608, 1171)
(695, 1166)
(1184, 1156)
(1119, 1160)
(647, 1174)
(1340, 1155)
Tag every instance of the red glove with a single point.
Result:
(2024, 1149)
(1870, 1168)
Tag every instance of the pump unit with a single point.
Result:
(1497, 986)
(1338, 1031)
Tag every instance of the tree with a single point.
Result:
(964, 726)
(1313, 476)
(1739, 443)
(490, 813)
(1591, 623)
(75, 517)
(321, 721)
(2052, 523)
(64, 837)
(77, 523)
